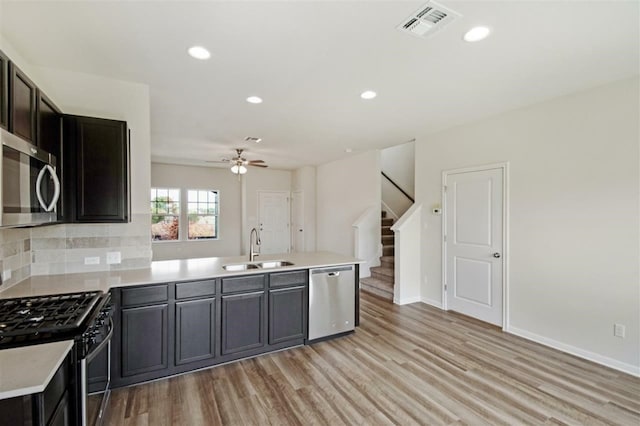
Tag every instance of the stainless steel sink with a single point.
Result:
(240, 267)
(274, 264)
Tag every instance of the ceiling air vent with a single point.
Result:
(428, 20)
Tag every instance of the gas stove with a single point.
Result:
(29, 320)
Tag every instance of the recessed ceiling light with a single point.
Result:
(368, 94)
(199, 52)
(476, 34)
(254, 100)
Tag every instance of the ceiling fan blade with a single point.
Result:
(256, 161)
(216, 161)
(257, 165)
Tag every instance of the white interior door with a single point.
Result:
(297, 221)
(273, 217)
(473, 243)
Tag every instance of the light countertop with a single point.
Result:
(29, 369)
(167, 271)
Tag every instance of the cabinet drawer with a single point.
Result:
(144, 295)
(195, 289)
(280, 279)
(249, 283)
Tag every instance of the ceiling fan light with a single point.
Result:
(238, 169)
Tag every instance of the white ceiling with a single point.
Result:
(310, 60)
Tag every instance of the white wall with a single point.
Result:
(398, 162)
(230, 219)
(346, 188)
(407, 267)
(304, 179)
(574, 212)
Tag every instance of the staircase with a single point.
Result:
(381, 280)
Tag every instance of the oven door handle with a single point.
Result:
(95, 351)
(56, 188)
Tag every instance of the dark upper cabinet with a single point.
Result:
(22, 104)
(4, 91)
(49, 125)
(96, 170)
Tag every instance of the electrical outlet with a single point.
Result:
(113, 257)
(619, 330)
(92, 260)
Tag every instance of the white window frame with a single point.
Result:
(183, 217)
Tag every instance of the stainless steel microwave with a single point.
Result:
(30, 186)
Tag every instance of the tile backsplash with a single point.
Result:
(60, 249)
(15, 256)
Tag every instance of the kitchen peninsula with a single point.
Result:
(182, 315)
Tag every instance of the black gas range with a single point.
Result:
(41, 319)
(84, 317)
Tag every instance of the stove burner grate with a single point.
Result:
(45, 314)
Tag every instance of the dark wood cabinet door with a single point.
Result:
(101, 151)
(145, 333)
(4, 91)
(195, 330)
(287, 314)
(49, 125)
(22, 105)
(243, 322)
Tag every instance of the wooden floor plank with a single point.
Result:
(404, 365)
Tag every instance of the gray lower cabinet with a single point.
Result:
(171, 328)
(243, 322)
(195, 330)
(287, 314)
(145, 332)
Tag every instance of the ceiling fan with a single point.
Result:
(239, 163)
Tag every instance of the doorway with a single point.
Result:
(273, 221)
(474, 235)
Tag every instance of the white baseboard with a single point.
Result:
(634, 370)
(407, 300)
(436, 303)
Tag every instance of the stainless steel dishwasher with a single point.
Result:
(332, 293)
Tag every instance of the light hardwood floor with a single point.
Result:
(404, 365)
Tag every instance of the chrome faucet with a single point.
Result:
(253, 254)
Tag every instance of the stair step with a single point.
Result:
(388, 259)
(386, 230)
(383, 214)
(388, 221)
(388, 250)
(377, 292)
(376, 286)
(381, 270)
(388, 240)
(386, 264)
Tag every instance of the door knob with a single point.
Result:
(496, 255)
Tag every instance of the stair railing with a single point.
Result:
(398, 187)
